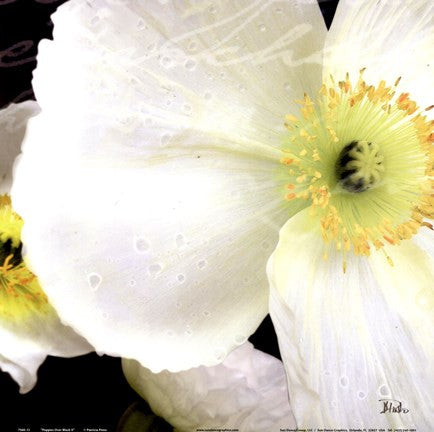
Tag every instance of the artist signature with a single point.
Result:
(392, 406)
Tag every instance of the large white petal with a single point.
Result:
(350, 340)
(229, 67)
(13, 122)
(26, 340)
(247, 392)
(157, 182)
(390, 38)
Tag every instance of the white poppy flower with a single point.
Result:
(156, 179)
(29, 327)
(162, 195)
(247, 391)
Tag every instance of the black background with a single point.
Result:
(87, 391)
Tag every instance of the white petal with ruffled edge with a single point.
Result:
(26, 341)
(13, 121)
(350, 341)
(247, 392)
(390, 38)
(24, 346)
(156, 167)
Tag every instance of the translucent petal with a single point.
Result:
(157, 258)
(13, 121)
(390, 38)
(353, 341)
(425, 240)
(231, 68)
(24, 346)
(162, 187)
(247, 391)
(29, 330)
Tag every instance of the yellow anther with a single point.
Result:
(291, 118)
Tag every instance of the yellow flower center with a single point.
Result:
(363, 158)
(20, 293)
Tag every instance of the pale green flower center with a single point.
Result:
(363, 159)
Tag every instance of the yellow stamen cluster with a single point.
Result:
(11, 223)
(382, 137)
(20, 293)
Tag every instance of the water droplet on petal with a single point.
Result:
(201, 264)
(170, 333)
(154, 270)
(94, 281)
(206, 313)
(361, 395)
(181, 278)
(262, 27)
(165, 138)
(344, 381)
(167, 62)
(132, 282)
(384, 390)
(140, 24)
(141, 245)
(190, 64)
